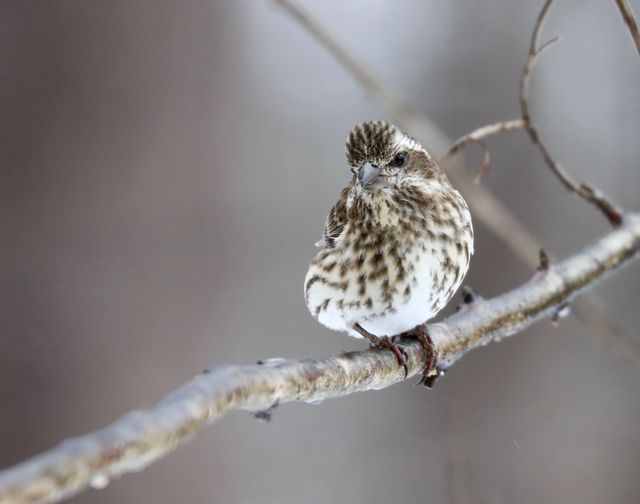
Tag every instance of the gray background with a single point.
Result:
(166, 169)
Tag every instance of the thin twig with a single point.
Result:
(141, 437)
(630, 21)
(483, 132)
(486, 161)
(478, 136)
(585, 191)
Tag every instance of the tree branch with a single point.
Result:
(141, 437)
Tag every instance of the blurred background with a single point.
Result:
(166, 170)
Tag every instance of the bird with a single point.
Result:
(395, 246)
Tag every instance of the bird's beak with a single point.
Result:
(367, 174)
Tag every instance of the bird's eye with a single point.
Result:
(399, 159)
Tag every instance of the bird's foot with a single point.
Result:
(385, 342)
(429, 374)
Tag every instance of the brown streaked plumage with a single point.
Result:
(395, 246)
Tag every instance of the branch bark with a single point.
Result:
(141, 437)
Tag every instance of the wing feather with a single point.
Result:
(335, 221)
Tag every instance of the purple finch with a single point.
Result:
(395, 246)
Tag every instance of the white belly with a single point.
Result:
(407, 311)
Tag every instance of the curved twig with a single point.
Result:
(478, 136)
(141, 437)
(483, 132)
(585, 191)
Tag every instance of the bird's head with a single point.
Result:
(381, 156)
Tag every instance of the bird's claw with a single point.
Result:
(429, 373)
(429, 380)
(388, 343)
(398, 351)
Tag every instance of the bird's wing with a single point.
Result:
(335, 221)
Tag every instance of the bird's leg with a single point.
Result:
(421, 333)
(385, 342)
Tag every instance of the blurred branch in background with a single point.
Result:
(404, 115)
(629, 19)
(141, 437)
(486, 208)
